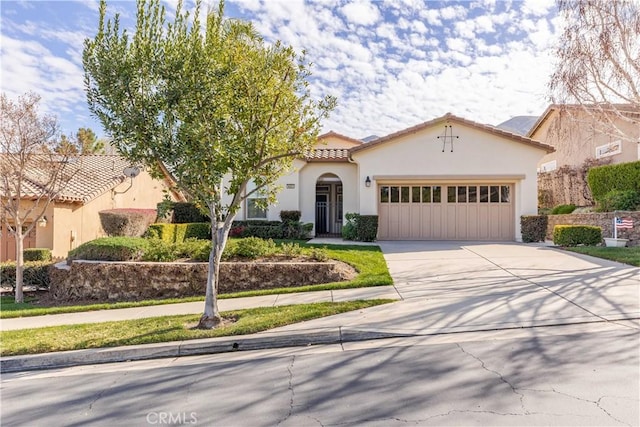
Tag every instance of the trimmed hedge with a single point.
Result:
(111, 249)
(126, 222)
(188, 213)
(293, 216)
(35, 273)
(176, 233)
(362, 228)
(619, 200)
(574, 235)
(563, 209)
(533, 227)
(621, 177)
(36, 254)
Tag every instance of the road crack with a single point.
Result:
(291, 390)
(513, 388)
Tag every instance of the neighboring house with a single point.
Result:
(72, 218)
(578, 135)
(445, 179)
(519, 124)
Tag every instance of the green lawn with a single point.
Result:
(367, 260)
(164, 329)
(625, 255)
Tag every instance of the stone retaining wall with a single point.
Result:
(131, 281)
(604, 220)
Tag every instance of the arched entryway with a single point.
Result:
(328, 205)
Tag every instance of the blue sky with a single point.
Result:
(391, 63)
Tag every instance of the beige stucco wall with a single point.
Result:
(335, 142)
(477, 156)
(72, 224)
(575, 139)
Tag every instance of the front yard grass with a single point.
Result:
(367, 260)
(625, 255)
(165, 329)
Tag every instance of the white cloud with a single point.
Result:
(361, 12)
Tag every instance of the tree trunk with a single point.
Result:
(19, 264)
(211, 318)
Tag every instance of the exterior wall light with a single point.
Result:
(42, 222)
(367, 182)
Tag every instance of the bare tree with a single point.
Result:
(32, 171)
(597, 76)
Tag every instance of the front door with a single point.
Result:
(322, 213)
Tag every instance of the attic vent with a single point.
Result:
(610, 149)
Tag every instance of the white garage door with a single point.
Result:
(473, 211)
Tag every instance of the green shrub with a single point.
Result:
(293, 216)
(619, 200)
(254, 247)
(188, 212)
(176, 233)
(563, 209)
(159, 251)
(126, 222)
(290, 249)
(230, 249)
(319, 254)
(534, 228)
(111, 249)
(263, 231)
(35, 273)
(36, 254)
(574, 235)
(622, 176)
(363, 228)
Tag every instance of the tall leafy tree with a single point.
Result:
(208, 105)
(598, 64)
(34, 169)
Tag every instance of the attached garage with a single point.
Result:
(449, 179)
(453, 211)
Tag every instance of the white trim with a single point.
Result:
(610, 149)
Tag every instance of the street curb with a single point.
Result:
(66, 359)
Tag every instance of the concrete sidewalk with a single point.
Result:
(197, 307)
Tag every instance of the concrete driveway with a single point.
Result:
(470, 286)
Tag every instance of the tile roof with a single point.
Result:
(328, 155)
(96, 175)
(448, 118)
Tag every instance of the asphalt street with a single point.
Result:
(578, 375)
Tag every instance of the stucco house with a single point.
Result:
(72, 218)
(578, 135)
(445, 179)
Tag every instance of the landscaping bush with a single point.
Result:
(563, 209)
(574, 235)
(35, 273)
(533, 227)
(363, 228)
(254, 247)
(290, 249)
(126, 222)
(263, 231)
(159, 251)
(619, 200)
(319, 254)
(176, 233)
(36, 254)
(622, 177)
(188, 212)
(293, 216)
(111, 249)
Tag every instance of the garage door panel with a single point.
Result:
(473, 211)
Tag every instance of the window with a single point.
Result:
(404, 194)
(484, 194)
(256, 203)
(395, 194)
(437, 194)
(473, 194)
(549, 166)
(426, 194)
(451, 194)
(415, 194)
(462, 194)
(504, 194)
(384, 194)
(495, 194)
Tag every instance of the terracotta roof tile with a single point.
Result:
(328, 154)
(97, 174)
